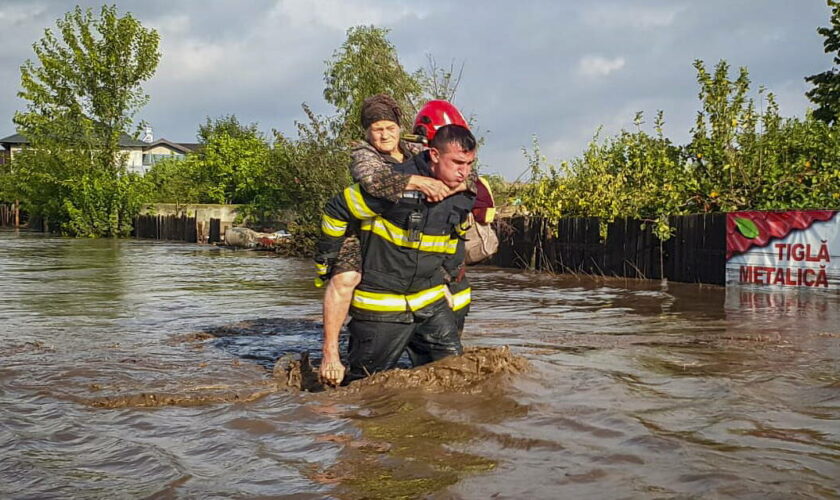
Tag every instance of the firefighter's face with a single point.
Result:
(384, 135)
(451, 164)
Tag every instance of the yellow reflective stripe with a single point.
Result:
(321, 269)
(489, 215)
(388, 302)
(332, 227)
(419, 300)
(439, 244)
(400, 237)
(453, 245)
(461, 299)
(489, 190)
(382, 302)
(389, 232)
(356, 202)
(461, 228)
(490, 212)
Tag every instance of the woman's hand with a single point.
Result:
(434, 189)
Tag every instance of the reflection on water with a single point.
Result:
(635, 389)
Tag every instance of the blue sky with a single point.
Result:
(557, 70)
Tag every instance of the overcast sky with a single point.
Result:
(557, 69)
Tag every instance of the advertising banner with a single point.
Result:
(790, 249)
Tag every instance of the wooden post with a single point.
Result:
(215, 231)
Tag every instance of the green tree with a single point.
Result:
(230, 165)
(309, 170)
(438, 82)
(173, 180)
(81, 98)
(365, 65)
(826, 91)
(227, 124)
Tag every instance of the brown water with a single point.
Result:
(134, 369)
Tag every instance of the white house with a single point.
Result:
(141, 155)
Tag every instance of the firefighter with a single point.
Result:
(401, 301)
(371, 167)
(429, 119)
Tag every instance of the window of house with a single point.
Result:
(150, 159)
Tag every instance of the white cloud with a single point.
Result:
(194, 60)
(20, 14)
(171, 25)
(643, 18)
(340, 14)
(595, 66)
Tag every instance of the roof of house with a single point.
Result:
(126, 141)
(14, 139)
(182, 147)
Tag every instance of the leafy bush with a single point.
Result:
(310, 170)
(738, 159)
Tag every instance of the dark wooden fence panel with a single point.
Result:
(215, 231)
(7, 214)
(11, 215)
(696, 252)
(170, 227)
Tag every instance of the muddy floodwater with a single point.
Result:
(138, 369)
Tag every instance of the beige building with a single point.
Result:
(161, 149)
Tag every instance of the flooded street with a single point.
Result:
(135, 369)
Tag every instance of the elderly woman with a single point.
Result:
(371, 167)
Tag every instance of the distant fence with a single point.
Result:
(215, 235)
(166, 227)
(696, 252)
(7, 214)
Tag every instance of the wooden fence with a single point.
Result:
(7, 215)
(696, 252)
(11, 215)
(176, 228)
(215, 235)
(169, 227)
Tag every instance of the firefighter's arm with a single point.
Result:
(352, 204)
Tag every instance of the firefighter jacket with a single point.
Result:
(483, 211)
(404, 246)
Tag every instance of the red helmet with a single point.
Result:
(436, 114)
